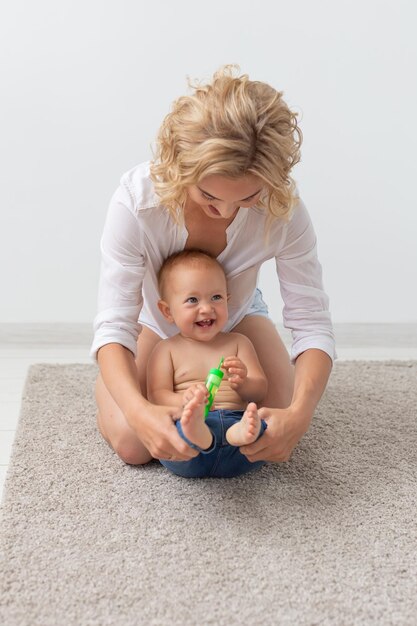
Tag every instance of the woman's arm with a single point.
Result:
(153, 425)
(123, 266)
(122, 272)
(120, 376)
(312, 371)
(306, 304)
(306, 312)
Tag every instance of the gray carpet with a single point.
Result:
(328, 538)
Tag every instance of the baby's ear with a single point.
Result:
(228, 297)
(165, 310)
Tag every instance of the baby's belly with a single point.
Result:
(226, 397)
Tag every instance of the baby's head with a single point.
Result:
(193, 290)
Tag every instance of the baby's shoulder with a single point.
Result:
(233, 339)
(173, 344)
(163, 347)
(239, 342)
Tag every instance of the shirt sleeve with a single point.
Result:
(306, 305)
(121, 277)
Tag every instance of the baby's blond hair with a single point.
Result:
(230, 127)
(190, 257)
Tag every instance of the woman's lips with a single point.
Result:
(213, 210)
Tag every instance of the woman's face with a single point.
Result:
(220, 197)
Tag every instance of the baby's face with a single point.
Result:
(196, 299)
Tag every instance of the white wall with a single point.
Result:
(86, 83)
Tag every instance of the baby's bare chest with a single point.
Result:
(192, 361)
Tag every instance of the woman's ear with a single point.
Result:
(165, 310)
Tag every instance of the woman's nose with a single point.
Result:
(228, 211)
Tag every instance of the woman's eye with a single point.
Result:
(207, 197)
(251, 199)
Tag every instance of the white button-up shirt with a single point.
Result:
(139, 234)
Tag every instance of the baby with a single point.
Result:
(193, 291)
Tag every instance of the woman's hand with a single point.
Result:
(285, 429)
(236, 371)
(155, 427)
(287, 426)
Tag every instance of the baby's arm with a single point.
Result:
(245, 373)
(160, 377)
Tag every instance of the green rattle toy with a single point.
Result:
(213, 381)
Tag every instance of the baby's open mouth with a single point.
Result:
(205, 323)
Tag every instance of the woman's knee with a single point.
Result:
(115, 429)
(126, 445)
(132, 452)
(273, 357)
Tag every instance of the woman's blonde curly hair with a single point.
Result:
(230, 127)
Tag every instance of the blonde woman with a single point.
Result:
(220, 181)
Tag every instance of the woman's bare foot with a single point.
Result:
(193, 424)
(247, 429)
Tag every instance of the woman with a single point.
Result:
(220, 181)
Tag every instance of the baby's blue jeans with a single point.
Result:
(221, 460)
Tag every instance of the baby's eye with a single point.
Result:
(217, 297)
(192, 300)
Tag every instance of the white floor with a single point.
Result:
(23, 345)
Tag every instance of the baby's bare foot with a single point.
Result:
(247, 429)
(193, 424)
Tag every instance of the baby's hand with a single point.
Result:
(189, 393)
(236, 371)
